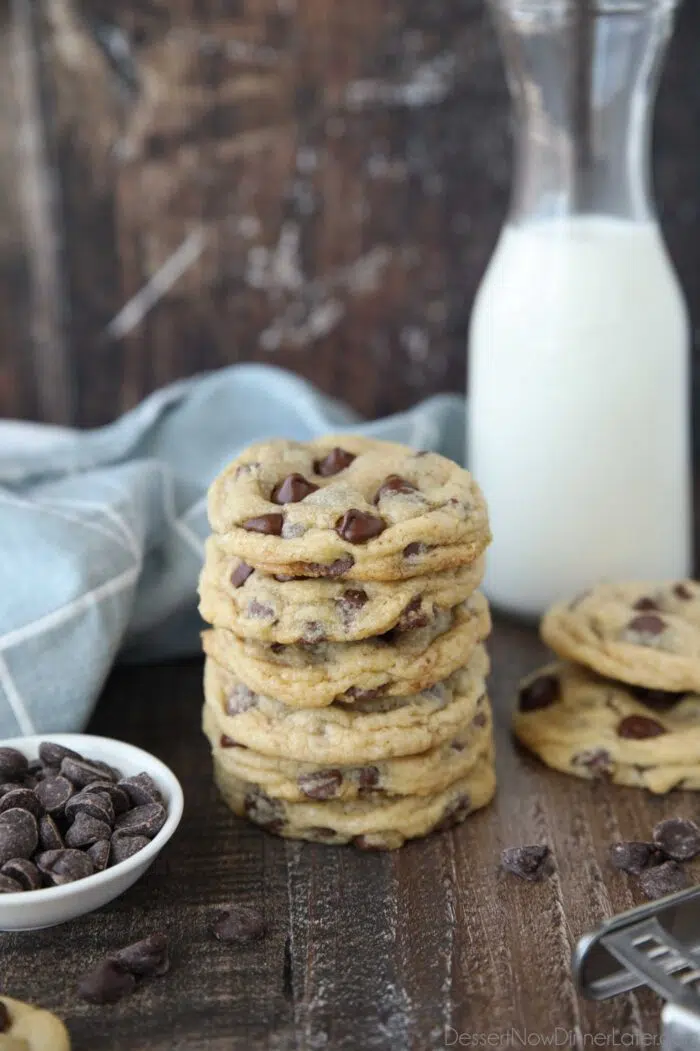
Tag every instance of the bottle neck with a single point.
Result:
(583, 77)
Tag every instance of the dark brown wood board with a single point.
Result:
(317, 184)
(383, 952)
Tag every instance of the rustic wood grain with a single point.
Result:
(379, 952)
(313, 183)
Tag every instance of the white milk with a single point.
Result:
(579, 410)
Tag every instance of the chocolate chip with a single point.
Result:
(334, 462)
(9, 885)
(597, 761)
(86, 830)
(64, 866)
(661, 880)
(417, 547)
(357, 694)
(5, 1020)
(23, 799)
(394, 484)
(479, 720)
(260, 610)
(293, 489)
(49, 836)
(532, 863)
(97, 805)
(240, 574)
(353, 598)
(368, 776)
(455, 812)
(282, 578)
(331, 569)
(123, 847)
(683, 592)
(82, 772)
(270, 524)
(52, 754)
(277, 647)
(413, 616)
(542, 692)
(19, 835)
(108, 983)
(53, 794)
(645, 604)
(678, 837)
(357, 527)
(146, 820)
(264, 811)
(146, 958)
(13, 765)
(634, 856)
(239, 925)
(322, 784)
(115, 792)
(662, 699)
(313, 633)
(639, 727)
(10, 786)
(99, 854)
(141, 789)
(240, 699)
(648, 624)
(23, 872)
(228, 742)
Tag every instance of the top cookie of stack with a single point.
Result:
(368, 510)
(341, 577)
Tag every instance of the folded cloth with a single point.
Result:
(102, 532)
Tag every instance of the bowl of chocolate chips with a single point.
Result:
(81, 819)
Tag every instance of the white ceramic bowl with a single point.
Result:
(31, 910)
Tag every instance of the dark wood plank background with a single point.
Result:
(365, 952)
(322, 180)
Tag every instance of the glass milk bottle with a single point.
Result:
(578, 427)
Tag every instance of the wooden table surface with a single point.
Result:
(390, 952)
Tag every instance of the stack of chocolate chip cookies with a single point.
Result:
(623, 703)
(345, 695)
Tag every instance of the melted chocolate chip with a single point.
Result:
(5, 1020)
(413, 616)
(264, 811)
(336, 460)
(357, 694)
(639, 728)
(648, 624)
(228, 742)
(683, 592)
(394, 484)
(322, 784)
(368, 776)
(597, 761)
(240, 699)
(260, 610)
(292, 489)
(645, 604)
(270, 524)
(455, 813)
(332, 569)
(532, 863)
(240, 574)
(542, 692)
(417, 547)
(283, 578)
(353, 598)
(357, 527)
(661, 699)
(313, 633)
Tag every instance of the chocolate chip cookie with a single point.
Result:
(257, 606)
(349, 507)
(641, 633)
(424, 774)
(316, 674)
(369, 727)
(579, 722)
(27, 1028)
(383, 823)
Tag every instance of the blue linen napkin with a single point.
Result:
(102, 532)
